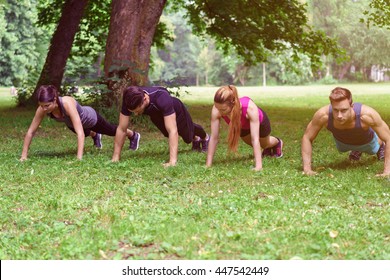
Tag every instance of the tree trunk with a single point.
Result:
(61, 44)
(132, 27)
(344, 70)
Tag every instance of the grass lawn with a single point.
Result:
(55, 207)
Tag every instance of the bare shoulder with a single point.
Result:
(369, 116)
(252, 104)
(68, 102)
(321, 116)
(367, 110)
(40, 112)
(215, 114)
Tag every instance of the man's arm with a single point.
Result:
(372, 118)
(318, 121)
(120, 136)
(173, 138)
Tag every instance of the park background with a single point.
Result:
(55, 207)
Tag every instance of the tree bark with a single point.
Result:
(132, 27)
(344, 70)
(61, 44)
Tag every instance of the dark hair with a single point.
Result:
(47, 93)
(133, 97)
(340, 94)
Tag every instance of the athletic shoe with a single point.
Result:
(196, 145)
(381, 152)
(134, 141)
(355, 155)
(267, 152)
(205, 143)
(277, 151)
(97, 141)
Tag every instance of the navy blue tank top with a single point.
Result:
(353, 136)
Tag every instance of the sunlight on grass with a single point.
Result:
(205, 94)
(55, 207)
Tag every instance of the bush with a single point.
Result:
(327, 80)
(23, 96)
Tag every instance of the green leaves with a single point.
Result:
(378, 14)
(255, 28)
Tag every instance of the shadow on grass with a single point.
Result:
(346, 164)
(53, 154)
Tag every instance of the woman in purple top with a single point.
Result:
(83, 120)
(245, 120)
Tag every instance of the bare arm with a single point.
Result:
(120, 136)
(253, 116)
(214, 137)
(71, 110)
(374, 120)
(173, 139)
(39, 115)
(319, 120)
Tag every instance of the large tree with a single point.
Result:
(61, 43)
(252, 28)
(132, 27)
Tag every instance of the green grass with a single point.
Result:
(55, 207)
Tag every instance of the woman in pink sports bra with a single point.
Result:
(245, 120)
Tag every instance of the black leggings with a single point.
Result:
(265, 128)
(186, 128)
(102, 126)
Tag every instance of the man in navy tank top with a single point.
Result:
(355, 127)
(167, 113)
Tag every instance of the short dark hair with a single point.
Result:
(133, 97)
(339, 94)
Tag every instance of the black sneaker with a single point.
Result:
(196, 145)
(381, 152)
(355, 155)
(97, 141)
(205, 143)
(134, 141)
